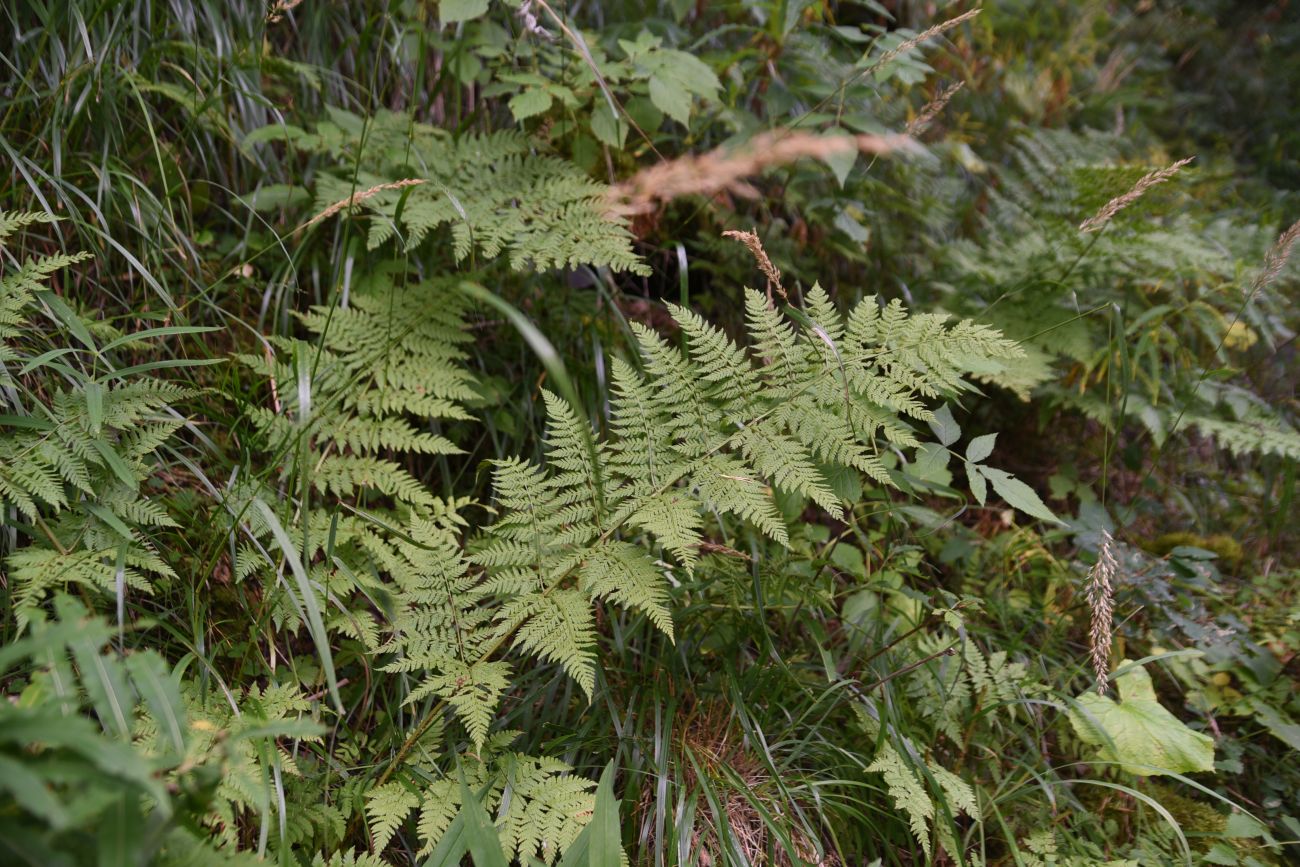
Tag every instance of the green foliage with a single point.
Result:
(495, 193)
(1137, 313)
(1138, 732)
(368, 574)
(95, 751)
(78, 449)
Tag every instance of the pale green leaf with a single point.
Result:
(529, 102)
(1138, 732)
(980, 448)
(945, 427)
(450, 11)
(670, 97)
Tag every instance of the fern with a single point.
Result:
(79, 447)
(908, 793)
(239, 731)
(685, 439)
(1174, 283)
(389, 359)
(541, 806)
(89, 740)
(497, 196)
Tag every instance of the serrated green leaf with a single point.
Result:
(670, 97)
(980, 448)
(841, 162)
(945, 427)
(609, 128)
(529, 102)
(931, 464)
(979, 487)
(1019, 495)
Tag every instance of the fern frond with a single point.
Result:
(908, 793)
(387, 807)
(557, 627)
(497, 195)
(622, 573)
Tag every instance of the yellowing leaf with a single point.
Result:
(1138, 732)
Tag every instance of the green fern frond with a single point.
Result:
(497, 195)
(557, 627)
(622, 573)
(908, 793)
(1266, 437)
(387, 807)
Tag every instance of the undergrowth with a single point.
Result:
(401, 462)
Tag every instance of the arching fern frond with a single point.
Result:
(495, 192)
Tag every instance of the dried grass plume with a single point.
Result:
(277, 12)
(932, 32)
(724, 170)
(930, 111)
(1277, 257)
(1101, 599)
(773, 274)
(357, 198)
(1119, 203)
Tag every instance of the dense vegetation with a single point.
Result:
(773, 431)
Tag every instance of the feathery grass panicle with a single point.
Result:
(277, 12)
(773, 274)
(357, 198)
(1277, 257)
(1098, 220)
(923, 36)
(930, 110)
(724, 170)
(1101, 599)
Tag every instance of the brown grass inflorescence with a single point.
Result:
(1101, 599)
(724, 170)
(930, 110)
(1277, 257)
(357, 198)
(932, 32)
(1098, 220)
(773, 274)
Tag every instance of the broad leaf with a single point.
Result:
(461, 10)
(945, 427)
(980, 448)
(1138, 732)
(1019, 495)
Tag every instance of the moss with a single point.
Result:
(1228, 549)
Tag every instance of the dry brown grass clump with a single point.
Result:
(721, 753)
